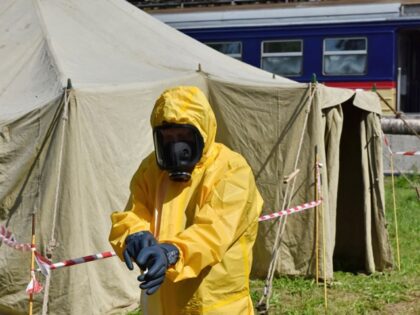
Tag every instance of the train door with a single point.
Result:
(409, 63)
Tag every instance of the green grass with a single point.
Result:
(394, 292)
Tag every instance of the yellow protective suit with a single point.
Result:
(212, 219)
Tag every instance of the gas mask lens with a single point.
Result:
(178, 148)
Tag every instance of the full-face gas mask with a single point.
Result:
(178, 148)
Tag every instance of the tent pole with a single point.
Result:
(324, 243)
(316, 217)
(31, 295)
(395, 213)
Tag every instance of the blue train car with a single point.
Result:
(353, 45)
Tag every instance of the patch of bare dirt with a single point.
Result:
(410, 307)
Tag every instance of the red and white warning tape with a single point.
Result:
(33, 286)
(281, 213)
(388, 146)
(407, 153)
(45, 265)
(7, 238)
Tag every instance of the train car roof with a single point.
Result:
(296, 15)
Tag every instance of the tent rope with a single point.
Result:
(324, 242)
(264, 303)
(265, 299)
(398, 115)
(316, 192)
(52, 244)
(395, 213)
(31, 294)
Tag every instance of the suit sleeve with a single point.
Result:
(232, 206)
(138, 215)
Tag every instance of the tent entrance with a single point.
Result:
(349, 252)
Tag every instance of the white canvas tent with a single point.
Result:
(67, 155)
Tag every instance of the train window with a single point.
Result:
(345, 56)
(232, 49)
(283, 57)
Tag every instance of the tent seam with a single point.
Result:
(23, 66)
(50, 50)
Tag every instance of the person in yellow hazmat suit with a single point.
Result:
(192, 218)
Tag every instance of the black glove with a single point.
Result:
(134, 243)
(156, 259)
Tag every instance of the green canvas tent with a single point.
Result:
(67, 152)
